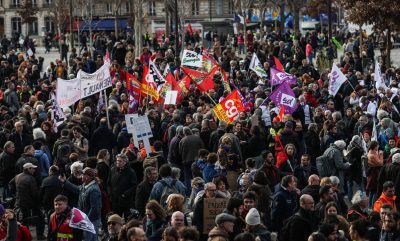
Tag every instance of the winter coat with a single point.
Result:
(189, 147)
(102, 138)
(158, 188)
(390, 172)
(302, 225)
(217, 234)
(89, 200)
(26, 189)
(283, 207)
(44, 162)
(50, 188)
(121, 187)
(143, 191)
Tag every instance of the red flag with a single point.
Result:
(189, 29)
(169, 84)
(148, 86)
(281, 156)
(278, 64)
(229, 108)
(203, 80)
(281, 113)
(133, 85)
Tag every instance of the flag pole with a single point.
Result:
(215, 103)
(106, 103)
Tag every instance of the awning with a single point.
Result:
(103, 24)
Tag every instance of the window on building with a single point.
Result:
(16, 3)
(109, 8)
(231, 7)
(16, 24)
(195, 7)
(33, 27)
(152, 8)
(218, 7)
(49, 24)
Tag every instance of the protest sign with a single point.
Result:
(68, 92)
(191, 58)
(170, 97)
(140, 129)
(212, 207)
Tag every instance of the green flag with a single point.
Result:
(337, 44)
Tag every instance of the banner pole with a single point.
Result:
(106, 103)
(215, 103)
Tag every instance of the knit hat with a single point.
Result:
(396, 158)
(253, 217)
(2, 210)
(90, 172)
(224, 217)
(116, 219)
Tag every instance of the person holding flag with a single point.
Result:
(59, 229)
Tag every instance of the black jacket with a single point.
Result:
(26, 189)
(20, 141)
(302, 225)
(143, 191)
(313, 191)
(302, 175)
(121, 187)
(102, 138)
(50, 188)
(7, 168)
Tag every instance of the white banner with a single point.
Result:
(57, 115)
(68, 92)
(96, 82)
(155, 76)
(257, 67)
(191, 58)
(336, 80)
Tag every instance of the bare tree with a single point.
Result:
(262, 6)
(60, 12)
(242, 7)
(27, 11)
(138, 25)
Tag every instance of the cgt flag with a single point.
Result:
(284, 95)
(81, 221)
(229, 108)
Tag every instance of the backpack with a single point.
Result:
(167, 190)
(324, 163)
(64, 149)
(284, 234)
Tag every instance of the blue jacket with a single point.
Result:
(89, 200)
(158, 188)
(209, 172)
(44, 162)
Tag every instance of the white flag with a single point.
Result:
(379, 82)
(257, 67)
(81, 221)
(336, 80)
(155, 76)
(57, 115)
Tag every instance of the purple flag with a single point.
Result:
(133, 103)
(283, 95)
(278, 77)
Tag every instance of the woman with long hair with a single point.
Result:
(287, 166)
(155, 220)
(103, 165)
(375, 162)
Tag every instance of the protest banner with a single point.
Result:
(284, 95)
(81, 221)
(170, 97)
(212, 207)
(257, 67)
(140, 129)
(229, 108)
(192, 59)
(277, 77)
(68, 92)
(96, 82)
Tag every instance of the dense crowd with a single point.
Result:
(328, 171)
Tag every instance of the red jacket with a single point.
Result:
(384, 199)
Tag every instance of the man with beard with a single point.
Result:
(304, 171)
(271, 171)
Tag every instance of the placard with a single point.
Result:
(212, 207)
(170, 97)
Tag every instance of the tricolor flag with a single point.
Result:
(337, 78)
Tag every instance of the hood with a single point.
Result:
(38, 152)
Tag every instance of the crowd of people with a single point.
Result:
(328, 171)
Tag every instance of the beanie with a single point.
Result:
(253, 217)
